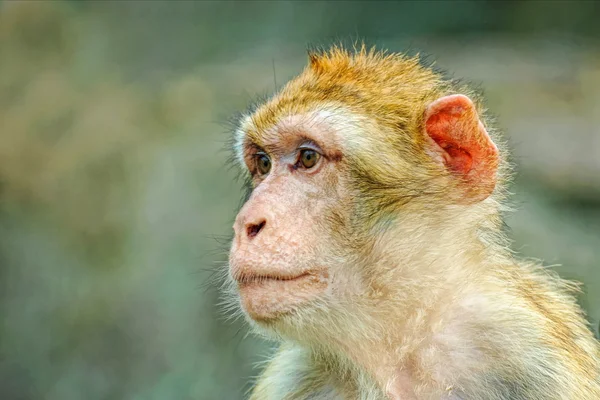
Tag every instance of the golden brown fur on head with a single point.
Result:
(371, 245)
(385, 94)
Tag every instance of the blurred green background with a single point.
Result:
(116, 201)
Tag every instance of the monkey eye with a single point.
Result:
(309, 158)
(263, 163)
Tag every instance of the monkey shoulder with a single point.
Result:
(520, 335)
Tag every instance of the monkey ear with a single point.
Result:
(463, 145)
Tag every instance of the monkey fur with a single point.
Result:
(382, 269)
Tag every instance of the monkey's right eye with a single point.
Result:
(263, 163)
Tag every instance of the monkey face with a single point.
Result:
(283, 257)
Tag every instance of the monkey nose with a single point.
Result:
(254, 228)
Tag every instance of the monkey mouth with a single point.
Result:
(258, 279)
(266, 297)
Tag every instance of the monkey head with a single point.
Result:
(359, 149)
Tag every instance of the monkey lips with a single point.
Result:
(269, 295)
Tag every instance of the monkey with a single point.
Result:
(372, 246)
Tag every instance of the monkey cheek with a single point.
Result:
(268, 300)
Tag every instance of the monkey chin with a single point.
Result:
(267, 299)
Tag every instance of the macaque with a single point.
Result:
(371, 246)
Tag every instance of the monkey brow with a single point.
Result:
(285, 140)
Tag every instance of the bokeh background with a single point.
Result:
(116, 201)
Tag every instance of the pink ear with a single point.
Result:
(463, 144)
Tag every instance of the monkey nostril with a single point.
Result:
(253, 229)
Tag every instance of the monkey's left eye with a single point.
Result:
(309, 158)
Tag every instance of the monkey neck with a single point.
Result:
(410, 292)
